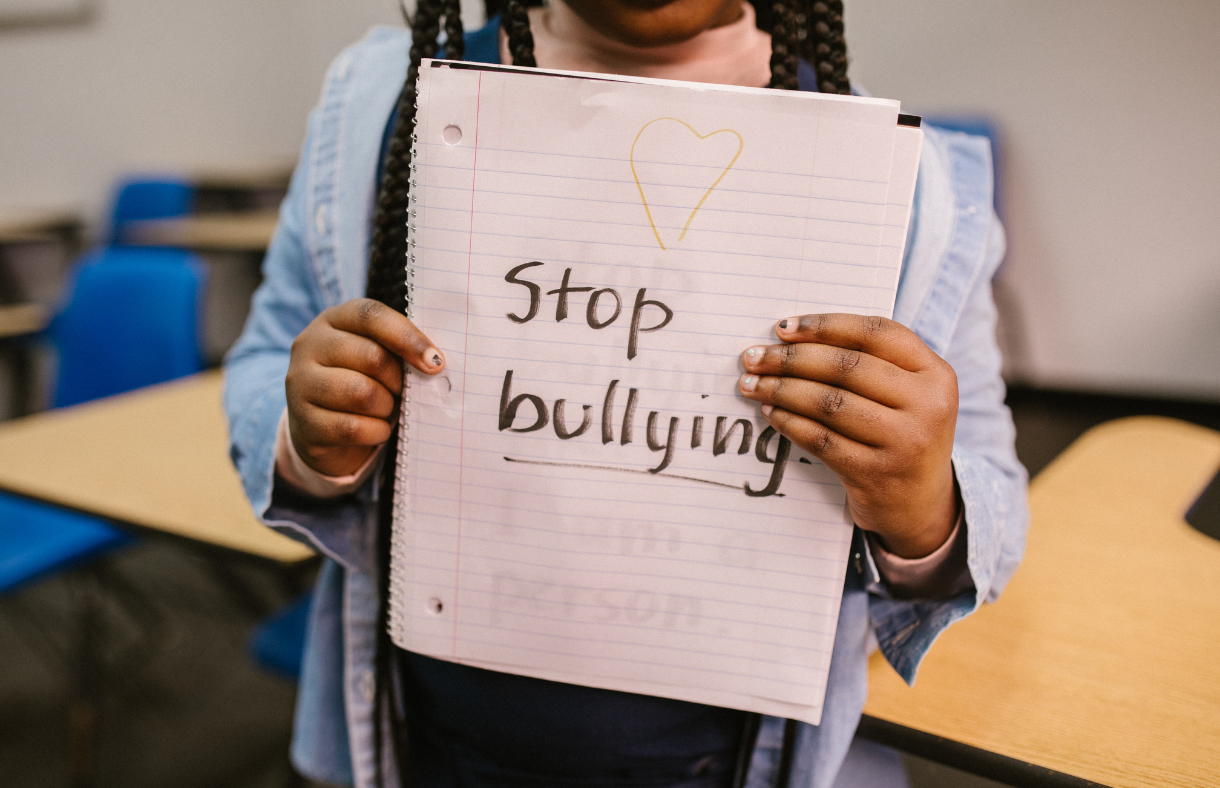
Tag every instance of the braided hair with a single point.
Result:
(808, 29)
(825, 47)
(387, 283)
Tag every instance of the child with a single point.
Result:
(909, 414)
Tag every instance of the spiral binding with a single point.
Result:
(411, 185)
(398, 537)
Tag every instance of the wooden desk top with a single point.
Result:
(221, 232)
(155, 458)
(267, 175)
(1100, 659)
(28, 226)
(20, 319)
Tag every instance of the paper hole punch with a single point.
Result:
(452, 135)
(435, 606)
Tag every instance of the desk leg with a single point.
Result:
(84, 706)
(22, 362)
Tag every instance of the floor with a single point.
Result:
(170, 695)
(177, 699)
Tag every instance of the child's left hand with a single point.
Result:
(867, 397)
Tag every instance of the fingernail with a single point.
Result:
(433, 357)
(748, 382)
(789, 321)
(755, 355)
(766, 410)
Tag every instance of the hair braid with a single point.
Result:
(387, 283)
(826, 46)
(455, 34)
(516, 23)
(495, 7)
(785, 44)
(388, 250)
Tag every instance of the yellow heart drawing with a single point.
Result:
(644, 199)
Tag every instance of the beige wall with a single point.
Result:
(1111, 111)
(151, 85)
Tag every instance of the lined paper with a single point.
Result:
(583, 496)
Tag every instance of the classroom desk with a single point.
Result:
(155, 458)
(1099, 662)
(247, 231)
(18, 323)
(22, 282)
(36, 226)
(17, 320)
(255, 177)
(245, 188)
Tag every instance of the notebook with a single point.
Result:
(582, 495)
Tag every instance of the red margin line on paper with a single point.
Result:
(474, 174)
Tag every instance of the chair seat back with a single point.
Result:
(150, 197)
(36, 539)
(132, 320)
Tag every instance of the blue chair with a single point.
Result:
(278, 644)
(153, 197)
(132, 320)
(36, 539)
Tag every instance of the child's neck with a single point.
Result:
(734, 54)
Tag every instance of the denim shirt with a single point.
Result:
(319, 257)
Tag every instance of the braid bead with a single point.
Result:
(516, 23)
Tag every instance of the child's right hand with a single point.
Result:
(344, 380)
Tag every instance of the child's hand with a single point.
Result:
(344, 379)
(878, 406)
